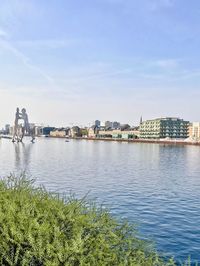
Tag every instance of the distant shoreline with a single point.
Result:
(170, 142)
(151, 141)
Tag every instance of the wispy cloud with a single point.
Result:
(3, 33)
(50, 43)
(160, 4)
(166, 63)
(8, 45)
(167, 3)
(25, 60)
(151, 5)
(11, 12)
(189, 74)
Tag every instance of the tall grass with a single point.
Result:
(39, 228)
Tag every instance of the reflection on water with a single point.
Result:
(156, 186)
(22, 155)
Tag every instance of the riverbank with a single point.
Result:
(150, 141)
(41, 228)
(153, 141)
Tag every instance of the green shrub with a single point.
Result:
(40, 228)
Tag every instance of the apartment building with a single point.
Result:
(168, 127)
(194, 130)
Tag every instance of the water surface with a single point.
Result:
(155, 186)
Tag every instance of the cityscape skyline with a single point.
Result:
(99, 123)
(110, 59)
(167, 129)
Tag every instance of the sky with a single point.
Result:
(72, 62)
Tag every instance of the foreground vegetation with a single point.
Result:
(39, 228)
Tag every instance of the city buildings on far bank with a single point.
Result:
(59, 132)
(129, 133)
(162, 128)
(169, 128)
(38, 130)
(107, 124)
(72, 132)
(194, 131)
(123, 132)
(97, 123)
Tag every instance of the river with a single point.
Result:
(155, 186)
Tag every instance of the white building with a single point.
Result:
(194, 130)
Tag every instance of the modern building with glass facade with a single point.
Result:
(168, 127)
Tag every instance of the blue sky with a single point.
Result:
(72, 61)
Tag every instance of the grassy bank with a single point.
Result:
(39, 228)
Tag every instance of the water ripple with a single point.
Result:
(156, 187)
